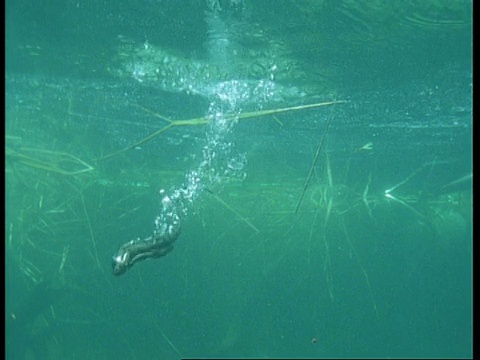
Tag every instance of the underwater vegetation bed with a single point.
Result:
(69, 207)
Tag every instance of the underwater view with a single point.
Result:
(238, 179)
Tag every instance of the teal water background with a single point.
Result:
(377, 262)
